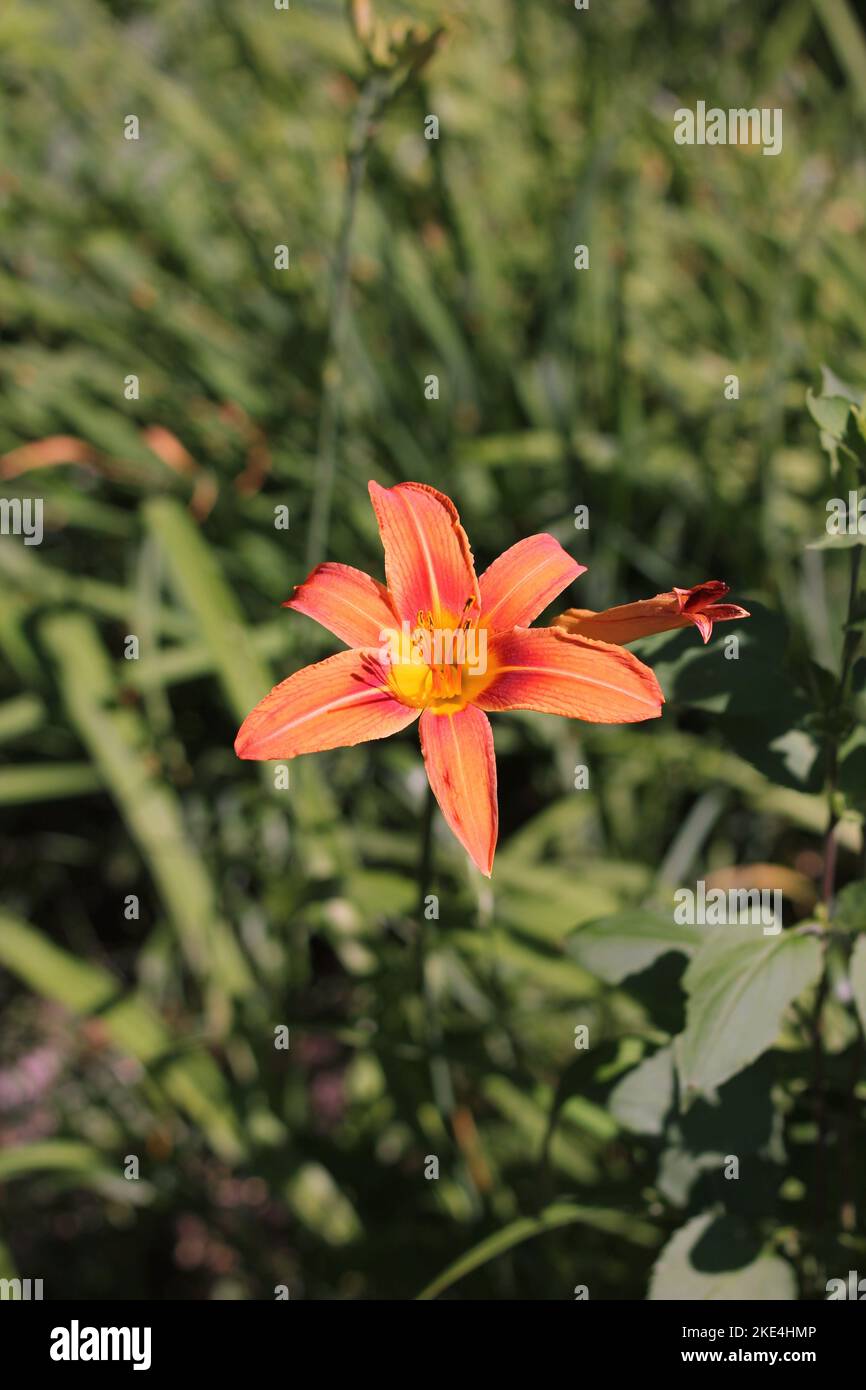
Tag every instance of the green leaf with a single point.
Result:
(701, 676)
(854, 437)
(117, 742)
(625, 944)
(22, 715)
(558, 1214)
(530, 1121)
(317, 1201)
(21, 570)
(858, 978)
(830, 413)
(739, 1118)
(849, 908)
(29, 782)
(51, 1155)
(833, 385)
(76, 1165)
(739, 986)
(852, 768)
(843, 541)
(196, 576)
(705, 1260)
(525, 960)
(838, 414)
(754, 707)
(790, 758)
(642, 1100)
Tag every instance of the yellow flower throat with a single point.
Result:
(442, 667)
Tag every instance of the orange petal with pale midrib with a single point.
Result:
(334, 704)
(546, 669)
(348, 602)
(428, 563)
(524, 580)
(458, 755)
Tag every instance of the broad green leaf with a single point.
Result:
(791, 758)
(644, 1097)
(703, 1262)
(849, 908)
(830, 413)
(738, 1118)
(755, 683)
(615, 947)
(833, 385)
(739, 986)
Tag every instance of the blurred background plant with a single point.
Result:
(167, 910)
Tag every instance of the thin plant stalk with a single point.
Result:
(370, 103)
(440, 1074)
(850, 646)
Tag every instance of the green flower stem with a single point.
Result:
(373, 96)
(440, 1073)
(850, 646)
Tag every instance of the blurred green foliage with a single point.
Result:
(150, 1032)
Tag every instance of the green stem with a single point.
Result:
(849, 650)
(440, 1074)
(372, 98)
(425, 862)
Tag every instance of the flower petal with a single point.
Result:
(676, 608)
(333, 704)
(625, 623)
(546, 669)
(524, 580)
(458, 755)
(428, 562)
(347, 602)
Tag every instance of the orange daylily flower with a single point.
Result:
(441, 645)
(678, 608)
